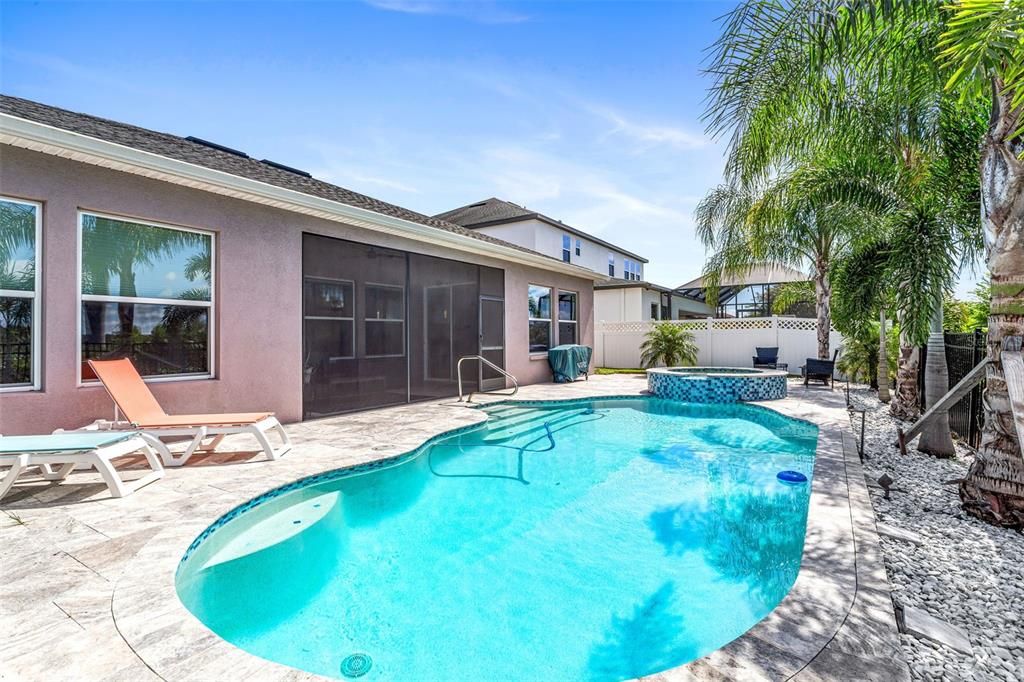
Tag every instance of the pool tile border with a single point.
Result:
(837, 615)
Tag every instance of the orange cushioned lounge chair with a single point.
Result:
(139, 410)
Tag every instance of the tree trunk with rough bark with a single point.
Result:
(823, 306)
(936, 438)
(905, 404)
(994, 487)
(883, 360)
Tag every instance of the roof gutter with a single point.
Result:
(66, 144)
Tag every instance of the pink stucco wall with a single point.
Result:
(258, 322)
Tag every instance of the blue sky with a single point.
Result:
(586, 111)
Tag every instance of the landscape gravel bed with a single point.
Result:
(965, 572)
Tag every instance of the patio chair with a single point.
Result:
(140, 409)
(58, 454)
(766, 358)
(820, 370)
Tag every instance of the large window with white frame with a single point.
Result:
(146, 294)
(568, 317)
(540, 318)
(20, 261)
(579, 247)
(566, 248)
(611, 264)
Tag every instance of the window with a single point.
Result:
(146, 294)
(567, 317)
(540, 318)
(611, 264)
(566, 248)
(654, 311)
(330, 319)
(384, 320)
(20, 259)
(579, 246)
(627, 269)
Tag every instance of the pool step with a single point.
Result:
(534, 426)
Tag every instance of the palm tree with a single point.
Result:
(983, 47)
(883, 358)
(785, 71)
(784, 221)
(668, 344)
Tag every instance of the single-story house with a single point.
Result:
(643, 301)
(238, 284)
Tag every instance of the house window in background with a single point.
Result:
(540, 318)
(567, 317)
(20, 257)
(579, 246)
(147, 294)
(627, 269)
(566, 248)
(384, 321)
(654, 311)
(611, 264)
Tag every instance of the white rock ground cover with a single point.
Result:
(965, 572)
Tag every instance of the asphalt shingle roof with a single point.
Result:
(182, 149)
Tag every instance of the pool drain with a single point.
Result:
(356, 665)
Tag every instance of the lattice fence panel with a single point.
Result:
(721, 342)
(742, 323)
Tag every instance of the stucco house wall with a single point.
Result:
(258, 302)
(547, 239)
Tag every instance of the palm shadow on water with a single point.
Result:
(646, 642)
(750, 536)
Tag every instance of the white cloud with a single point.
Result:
(482, 11)
(648, 135)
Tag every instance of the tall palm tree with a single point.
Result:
(785, 220)
(785, 71)
(983, 47)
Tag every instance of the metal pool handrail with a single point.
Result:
(499, 370)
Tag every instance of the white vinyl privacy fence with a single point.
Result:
(722, 342)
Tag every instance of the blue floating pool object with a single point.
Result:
(356, 665)
(791, 477)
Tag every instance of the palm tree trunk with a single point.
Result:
(905, 404)
(994, 487)
(883, 360)
(823, 306)
(936, 439)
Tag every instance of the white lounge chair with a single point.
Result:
(58, 454)
(141, 411)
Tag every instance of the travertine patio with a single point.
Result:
(88, 580)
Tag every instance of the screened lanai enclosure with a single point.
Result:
(383, 326)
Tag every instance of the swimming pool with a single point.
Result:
(599, 539)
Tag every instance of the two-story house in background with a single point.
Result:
(530, 229)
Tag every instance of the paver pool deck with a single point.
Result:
(88, 581)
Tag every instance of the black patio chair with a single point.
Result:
(766, 358)
(820, 370)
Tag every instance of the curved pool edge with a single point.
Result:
(792, 638)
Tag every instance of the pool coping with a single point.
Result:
(838, 612)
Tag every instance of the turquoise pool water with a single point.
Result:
(596, 540)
